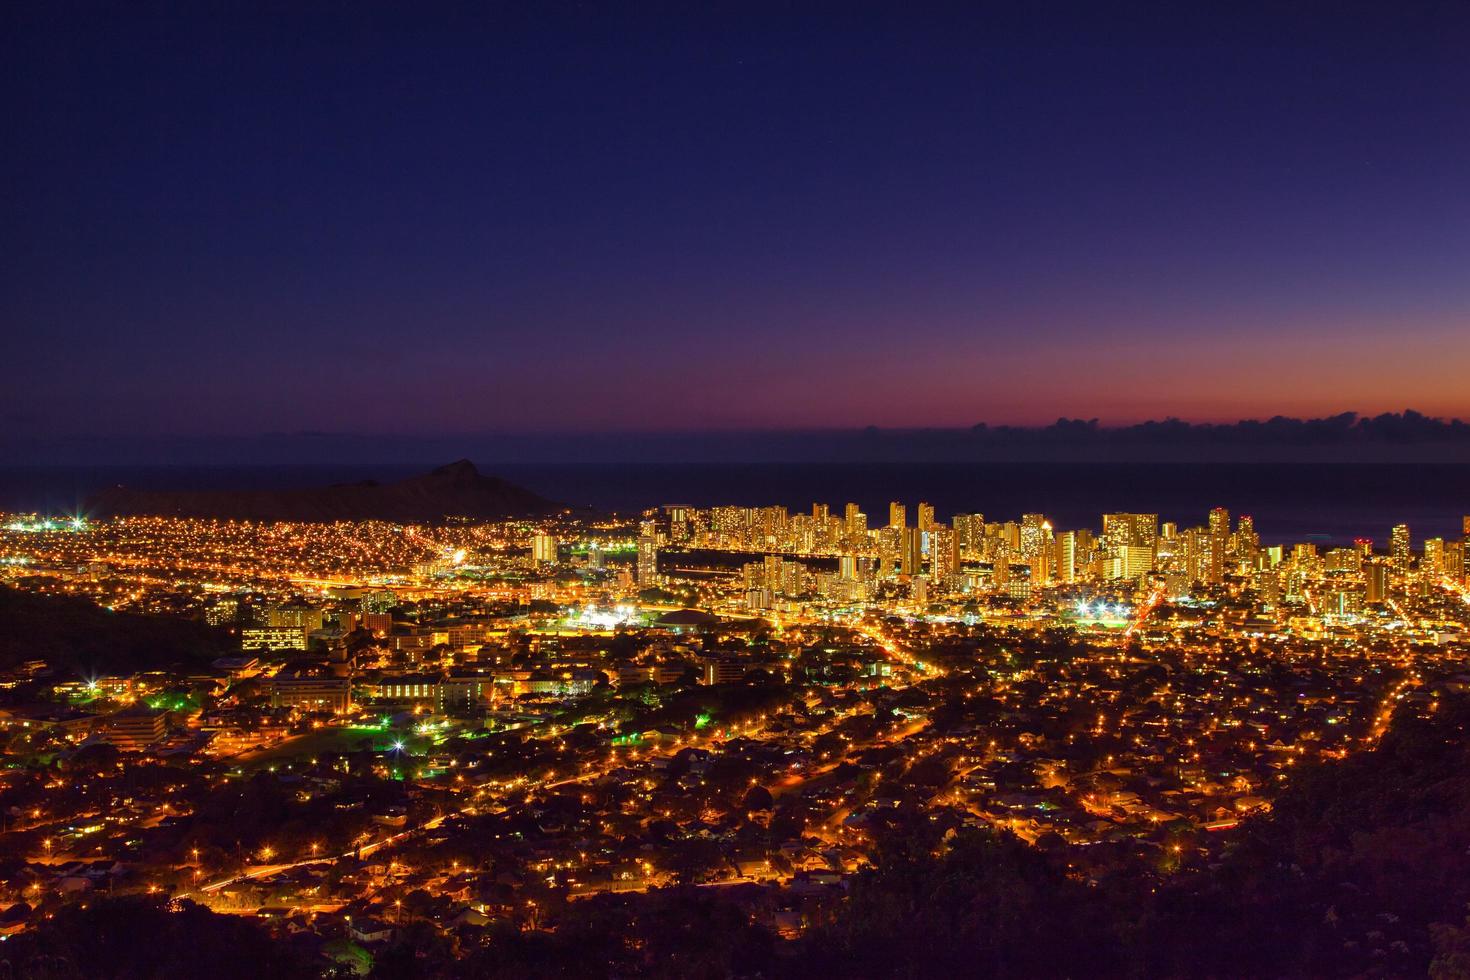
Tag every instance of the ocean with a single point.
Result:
(1327, 503)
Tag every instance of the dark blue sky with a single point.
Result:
(439, 219)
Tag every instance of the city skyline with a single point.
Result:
(360, 735)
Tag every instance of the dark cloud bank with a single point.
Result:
(1348, 437)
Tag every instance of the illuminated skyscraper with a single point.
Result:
(1399, 555)
(1454, 559)
(969, 532)
(1034, 530)
(1129, 540)
(1376, 577)
(1130, 562)
(1245, 543)
(1344, 560)
(1433, 562)
(912, 554)
(648, 554)
(1044, 562)
(943, 554)
(1130, 530)
(1215, 549)
(1001, 565)
(1067, 560)
(677, 519)
(543, 548)
(1219, 546)
(897, 515)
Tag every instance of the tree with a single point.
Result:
(140, 937)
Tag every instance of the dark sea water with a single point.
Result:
(1328, 502)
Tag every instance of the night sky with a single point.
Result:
(413, 218)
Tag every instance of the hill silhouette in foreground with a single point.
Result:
(455, 490)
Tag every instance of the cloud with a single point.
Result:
(1345, 429)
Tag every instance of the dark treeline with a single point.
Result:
(75, 636)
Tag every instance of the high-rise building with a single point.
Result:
(297, 615)
(1131, 561)
(1399, 554)
(679, 520)
(1434, 562)
(1219, 545)
(1214, 560)
(1130, 530)
(943, 554)
(897, 515)
(911, 555)
(1342, 601)
(1000, 573)
(543, 548)
(1010, 533)
(1067, 559)
(1246, 542)
(1034, 531)
(1454, 559)
(1268, 586)
(1375, 576)
(1344, 560)
(648, 554)
(854, 568)
(926, 516)
(969, 532)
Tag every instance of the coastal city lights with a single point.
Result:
(735, 491)
(409, 699)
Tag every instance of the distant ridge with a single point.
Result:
(455, 490)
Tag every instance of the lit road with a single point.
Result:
(1153, 602)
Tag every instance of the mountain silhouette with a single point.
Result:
(455, 490)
